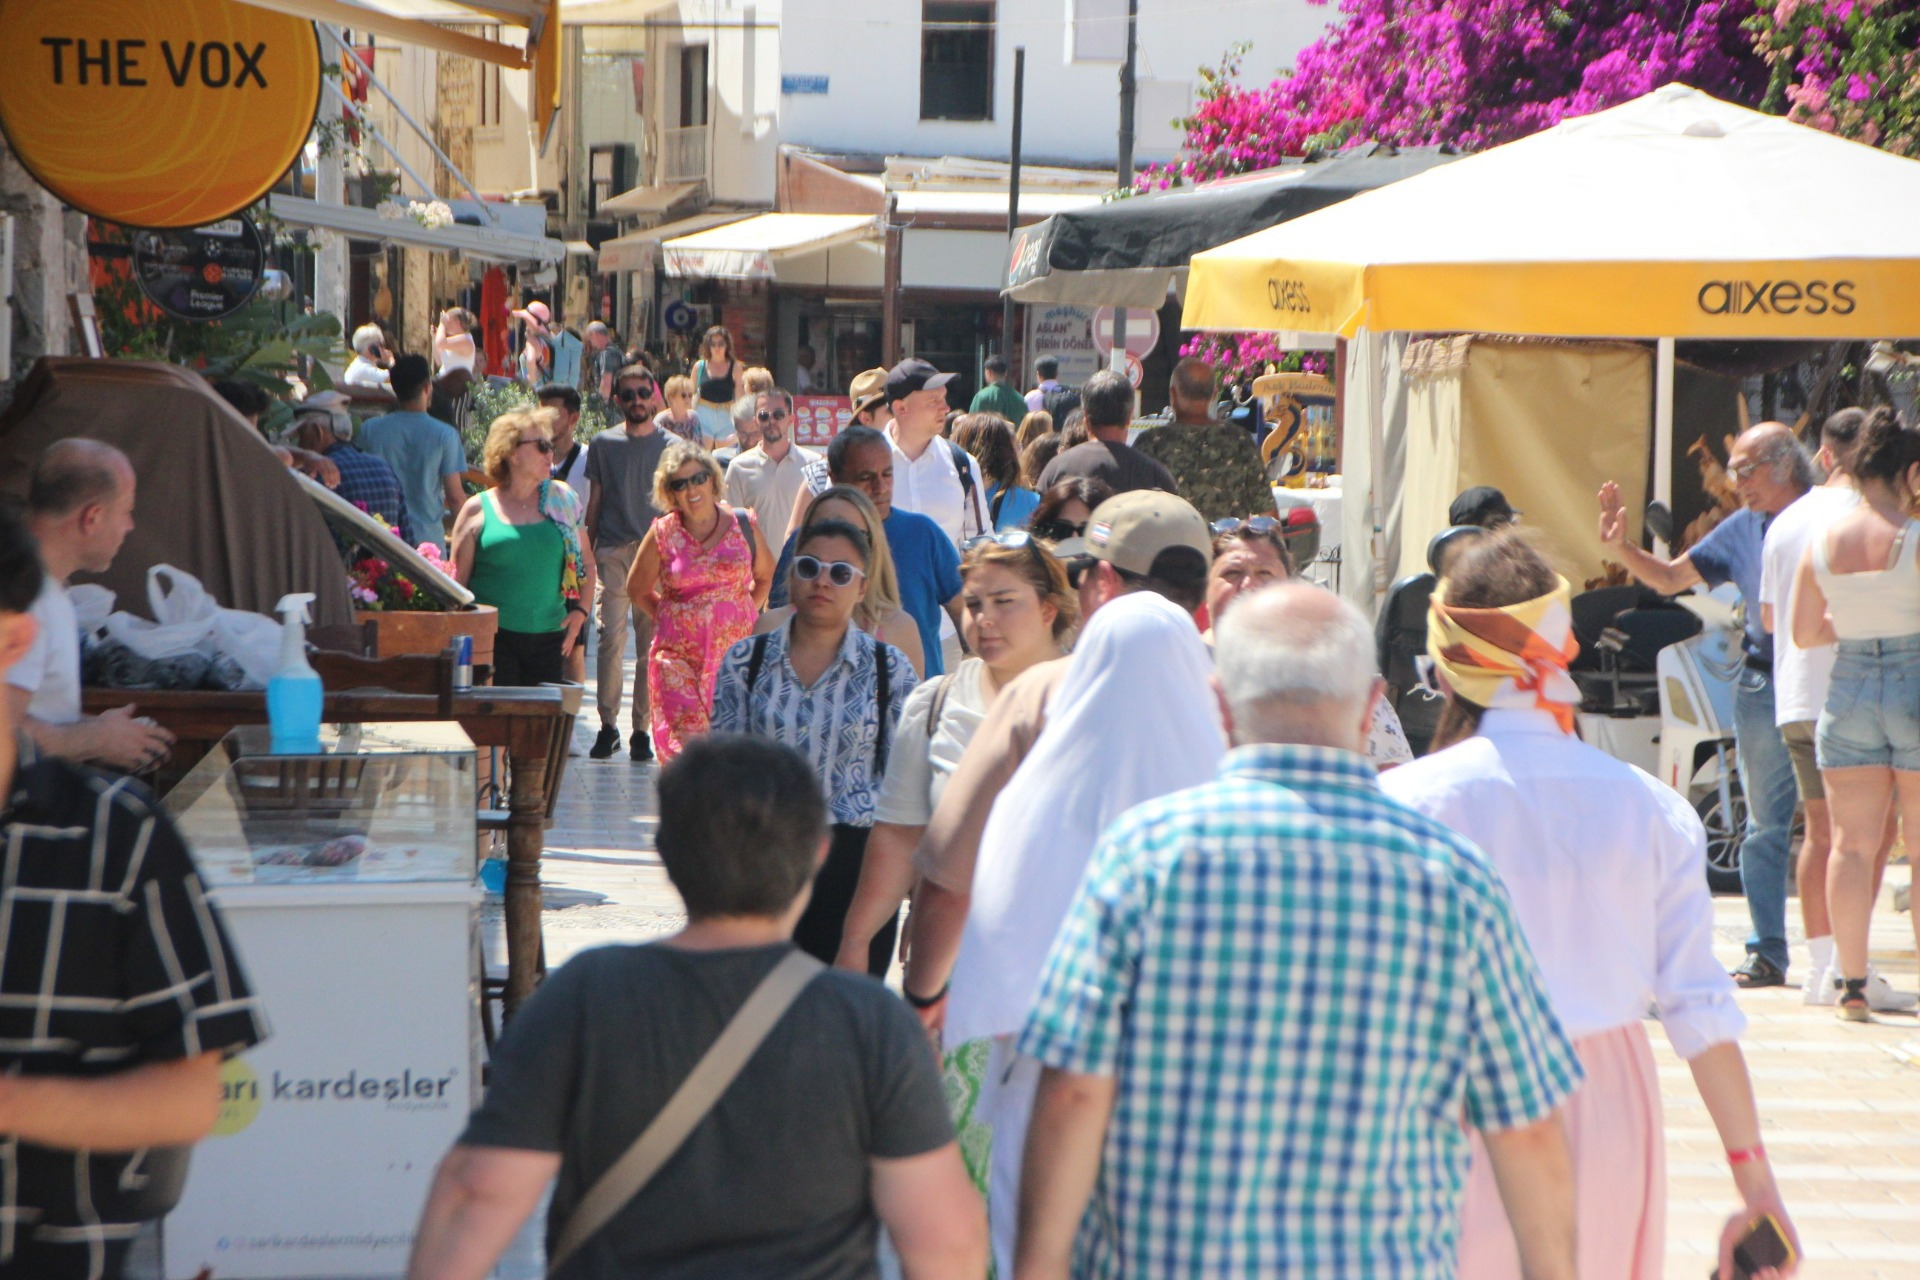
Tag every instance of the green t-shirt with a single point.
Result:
(1001, 399)
(516, 569)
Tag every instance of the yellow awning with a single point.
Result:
(1674, 215)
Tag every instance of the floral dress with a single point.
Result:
(706, 607)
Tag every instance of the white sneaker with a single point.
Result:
(1822, 987)
(1882, 998)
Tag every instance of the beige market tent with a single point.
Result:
(1675, 215)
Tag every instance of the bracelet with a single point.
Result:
(1750, 1155)
(925, 1002)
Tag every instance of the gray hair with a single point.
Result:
(1789, 462)
(367, 336)
(744, 410)
(1295, 663)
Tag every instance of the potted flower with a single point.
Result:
(414, 616)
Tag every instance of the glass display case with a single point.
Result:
(379, 803)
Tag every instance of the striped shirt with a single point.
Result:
(113, 958)
(834, 723)
(1302, 987)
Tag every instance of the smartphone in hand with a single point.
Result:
(1764, 1245)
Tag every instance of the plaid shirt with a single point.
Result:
(369, 480)
(1302, 988)
(111, 958)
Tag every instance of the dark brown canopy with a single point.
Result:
(213, 499)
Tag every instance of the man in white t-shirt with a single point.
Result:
(1800, 679)
(79, 510)
(766, 479)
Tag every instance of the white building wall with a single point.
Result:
(870, 52)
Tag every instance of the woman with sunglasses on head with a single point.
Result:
(715, 375)
(832, 692)
(701, 574)
(1065, 509)
(879, 614)
(990, 440)
(1249, 555)
(516, 546)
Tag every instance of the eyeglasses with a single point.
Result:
(1059, 530)
(839, 572)
(1258, 526)
(642, 392)
(679, 484)
(779, 416)
(540, 443)
(1745, 469)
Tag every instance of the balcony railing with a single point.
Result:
(683, 154)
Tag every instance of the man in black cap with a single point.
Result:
(932, 475)
(1483, 506)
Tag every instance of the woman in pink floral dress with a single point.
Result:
(702, 572)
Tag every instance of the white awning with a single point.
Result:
(487, 243)
(645, 200)
(637, 250)
(748, 250)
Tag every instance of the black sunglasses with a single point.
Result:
(1059, 530)
(642, 392)
(777, 416)
(543, 445)
(839, 572)
(1077, 568)
(681, 483)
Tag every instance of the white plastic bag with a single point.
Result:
(191, 643)
(250, 641)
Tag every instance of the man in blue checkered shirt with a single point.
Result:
(1277, 1004)
(321, 424)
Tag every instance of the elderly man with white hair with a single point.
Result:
(1274, 999)
(372, 363)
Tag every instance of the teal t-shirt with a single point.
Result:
(423, 451)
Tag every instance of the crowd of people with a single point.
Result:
(1219, 978)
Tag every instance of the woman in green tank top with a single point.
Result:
(517, 547)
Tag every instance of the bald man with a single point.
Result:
(79, 511)
(1770, 471)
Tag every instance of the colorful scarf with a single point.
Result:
(561, 505)
(1513, 656)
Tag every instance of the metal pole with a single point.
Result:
(890, 289)
(1128, 89)
(1013, 206)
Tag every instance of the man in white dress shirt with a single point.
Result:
(932, 476)
(1801, 677)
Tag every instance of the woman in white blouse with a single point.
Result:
(1606, 871)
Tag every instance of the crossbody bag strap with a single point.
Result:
(755, 660)
(688, 1106)
(969, 493)
(883, 697)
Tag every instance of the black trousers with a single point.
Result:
(527, 657)
(818, 933)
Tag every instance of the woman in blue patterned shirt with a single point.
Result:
(832, 692)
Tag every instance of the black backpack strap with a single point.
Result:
(755, 660)
(884, 697)
(999, 501)
(746, 531)
(968, 492)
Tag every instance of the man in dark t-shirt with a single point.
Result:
(1107, 401)
(836, 1125)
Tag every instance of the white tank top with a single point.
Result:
(1878, 604)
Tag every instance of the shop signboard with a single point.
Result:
(157, 115)
(818, 419)
(202, 274)
(1065, 333)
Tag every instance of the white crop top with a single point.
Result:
(1877, 604)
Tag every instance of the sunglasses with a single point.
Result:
(1259, 526)
(780, 416)
(1059, 530)
(1077, 569)
(642, 392)
(543, 445)
(839, 572)
(680, 484)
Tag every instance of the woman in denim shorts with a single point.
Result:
(1858, 588)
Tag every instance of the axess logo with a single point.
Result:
(1777, 297)
(1288, 295)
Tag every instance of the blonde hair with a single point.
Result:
(678, 455)
(678, 384)
(504, 436)
(756, 380)
(1036, 424)
(1045, 574)
(882, 600)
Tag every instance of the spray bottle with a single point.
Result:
(294, 695)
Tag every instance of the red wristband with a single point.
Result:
(1748, 1156)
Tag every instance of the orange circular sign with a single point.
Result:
(157, 113)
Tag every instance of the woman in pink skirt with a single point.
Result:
(1606, 870)
(702, 572)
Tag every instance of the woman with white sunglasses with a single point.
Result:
(832, 692)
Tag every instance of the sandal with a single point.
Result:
(1758, 971)
(1853, 1001)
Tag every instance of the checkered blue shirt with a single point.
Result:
(369, 480)
(1302, 988)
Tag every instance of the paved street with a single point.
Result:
(1841, 1113)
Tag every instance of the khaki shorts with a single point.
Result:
(1798, 735)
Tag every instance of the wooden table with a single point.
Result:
(531, 725)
